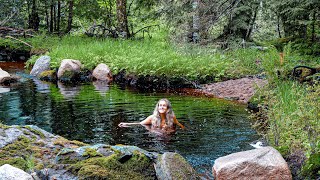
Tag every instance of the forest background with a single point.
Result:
(201, 40)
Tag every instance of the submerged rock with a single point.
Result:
(172, 166)
(41, 64)
(263, 163)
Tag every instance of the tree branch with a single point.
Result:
(19, 41)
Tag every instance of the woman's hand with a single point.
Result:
(122, 124)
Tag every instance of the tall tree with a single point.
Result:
(122, 18)
(34, 16)
(241, 20)
(70, 16)
(58, 16)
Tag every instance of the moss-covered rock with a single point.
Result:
(50, 75)
(174, 166)
(137, 167)
(16, 162)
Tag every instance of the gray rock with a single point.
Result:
(172, 166)
(263, 163)
(68, 155)
(45, 133)
(128, 150)
(8, 136)
(42, 64)
(102, 72)
(8, 172)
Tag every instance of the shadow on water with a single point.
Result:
(91, 113)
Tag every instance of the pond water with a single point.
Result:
(91, 113)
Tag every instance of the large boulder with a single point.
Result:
(171, 166)
(263, 163)
(102, 72)
(42, 64)
(69, 69)
(9, 172)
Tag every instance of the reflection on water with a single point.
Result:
(91, 113)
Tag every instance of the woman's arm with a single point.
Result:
(175, 121)
(147, 121)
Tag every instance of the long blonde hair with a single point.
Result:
(156, 120)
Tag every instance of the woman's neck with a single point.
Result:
(163, 116)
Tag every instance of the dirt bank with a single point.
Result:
(240, 90)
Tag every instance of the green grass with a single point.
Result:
(154, 56)
(293, 120)
(157, 56)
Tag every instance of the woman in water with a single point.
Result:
(162, 118)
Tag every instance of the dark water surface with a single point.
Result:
(91, 113)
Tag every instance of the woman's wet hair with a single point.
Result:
(156, 121)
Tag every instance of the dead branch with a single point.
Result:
(146, 27)
(19, 41)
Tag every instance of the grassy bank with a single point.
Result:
(154, 56)
(291, 120)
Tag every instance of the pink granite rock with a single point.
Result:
(259, 164)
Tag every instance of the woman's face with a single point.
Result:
(163, 107)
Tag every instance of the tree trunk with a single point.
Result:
(122, 18)
(58, 16)
(54, 17)
(195, 22)
(47, 17)
(34, 17)
(70, 16)
(252, 21)
(313, 34)
(278, 26)
(109, 19)
(51, 17)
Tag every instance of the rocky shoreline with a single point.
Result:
(30, 153)
(240, 90)
(42, 155)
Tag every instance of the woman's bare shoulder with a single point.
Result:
(147, 121)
